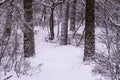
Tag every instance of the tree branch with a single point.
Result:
(57, 3)
(48, 5)
(2, 1)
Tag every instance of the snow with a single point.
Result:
(55, 62)
(1, 1)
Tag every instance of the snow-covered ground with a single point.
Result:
(55, 62)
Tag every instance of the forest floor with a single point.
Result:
(55, 62)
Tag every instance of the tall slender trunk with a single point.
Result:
(29, 45)
(7, 31)
(73, 15)
(8, 26)
(89, 45)
(44, 14)
(51, 25)
(64, 27)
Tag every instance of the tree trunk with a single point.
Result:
(44, 14)
(29, 45)
(7, 29)
(64, 27)
(89, 45)
(51, 37)
(72, 15)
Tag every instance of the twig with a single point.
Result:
(8, 77)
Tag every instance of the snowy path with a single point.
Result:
(62, 63)
(58, 62)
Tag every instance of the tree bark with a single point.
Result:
(72, 15)
(8, 26)
(9, 21)
(64, 27)
(29, 45)
(51, 25)
(89, 45)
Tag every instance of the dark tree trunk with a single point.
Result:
(51, 21)
(64, 27)
(29, 45)
(44, 14)
(44, 10)
(8, 26)
(51, 37)
(72, 15)
(89, 46)
(9, 21)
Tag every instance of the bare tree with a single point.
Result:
(8, 27)
(107, 61)
(64, 26)
(53, 5)
(29, 45)
(72, 15)
(89, 45)
(9, 20)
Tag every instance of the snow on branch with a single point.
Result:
(45, 4)
(114, 22)
(58, 2)
(83, 2)
(111, 17)
(55, 3)
(2, 1)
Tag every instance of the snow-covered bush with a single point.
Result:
(12, 57)
(108, 61)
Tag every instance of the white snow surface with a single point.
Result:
(55, 62)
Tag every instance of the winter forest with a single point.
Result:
(59, 39)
